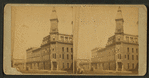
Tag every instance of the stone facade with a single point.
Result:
(120, 53)
(55, 52)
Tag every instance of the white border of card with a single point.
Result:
(142, 35)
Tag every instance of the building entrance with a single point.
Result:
(54, 65)
(119, 66)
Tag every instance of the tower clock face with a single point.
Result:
(118, 38)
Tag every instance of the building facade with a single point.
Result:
(120, 52)
(55, 52)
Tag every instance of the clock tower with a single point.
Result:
(119, 22)
(54, 22)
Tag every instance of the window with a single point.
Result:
(127, 39)
(71, 56)
(136, 40)
(128, 65)
(71, 49)
(60, 55)
(55, 56)
(136, 50)
(62, 49)
(62, 38)
(128, 57)
(136, 57)
(125, 56)
(132, 57)
(67, 65)
(131, 39)
(66, 39)
(53, 49)
(127, 49)
(53, 39)
(67, 49)
(132, 66)
(132, 50)
(63, 65)
(67, 56)
(63, 56)
(119, 56)
(70, 39)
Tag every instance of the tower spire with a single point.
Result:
(54, 21)
(119, 14)
(53, 14)
(119, 21)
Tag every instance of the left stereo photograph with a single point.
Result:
(41, 39)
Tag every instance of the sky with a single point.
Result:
(97, 24)
(32, 23)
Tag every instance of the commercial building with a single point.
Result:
(120, 52)
(55, 52)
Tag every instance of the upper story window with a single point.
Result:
(53, 39)
(125, 56)
(132, 65)
(136, 57)
(54, 56)
(132, 57)
(127, 49)
(63, 56)
(67, 49)
(127, 38)
(70, 39)
(136, 50)
(63, 65)
(131, 39)
(53, 49)
(128, 57)
(67, 56)
(132, 50)
(66, 39)
(119, 56)
(71, 56)
(62, 38)
(128, 65)
(136, 40)
(60, 56)
(71, 49)
(67, 65)
(62, 49)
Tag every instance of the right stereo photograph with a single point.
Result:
(108, 40)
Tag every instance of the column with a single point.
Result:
(101, 67)
(116, 66)
(89, 65)
(122, 67)
(51, 65)
(97, 65)
(57, 66)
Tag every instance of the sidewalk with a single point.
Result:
(44, 71)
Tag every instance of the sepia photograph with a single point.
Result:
(109, 37)
(44, 39)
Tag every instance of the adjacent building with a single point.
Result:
(55, 52)
(120, 52)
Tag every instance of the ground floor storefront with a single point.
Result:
(114, 65)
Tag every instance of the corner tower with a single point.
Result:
(54, 22)
(119, 22)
